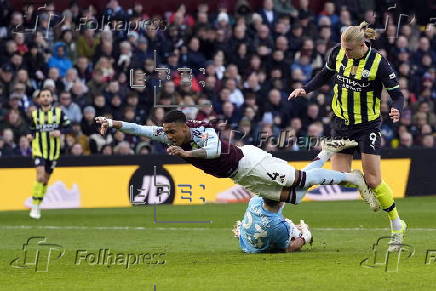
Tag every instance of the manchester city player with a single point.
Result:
(265, 230)
(360, 72)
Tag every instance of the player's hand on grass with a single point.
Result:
(394, 115)
(305, 232)
(177, 151)
(55, 133)
(297, 92)
(104, 124)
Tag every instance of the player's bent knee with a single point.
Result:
(372, 180)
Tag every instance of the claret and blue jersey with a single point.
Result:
(222, 157)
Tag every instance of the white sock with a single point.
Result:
(396, 224)
(320, 176)
(323, 156)
(352, 179)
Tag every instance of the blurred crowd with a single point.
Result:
(243, 65)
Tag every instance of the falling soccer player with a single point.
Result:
(258, 171)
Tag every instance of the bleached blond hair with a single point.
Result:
(358, 33)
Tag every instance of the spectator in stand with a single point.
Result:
(6, 75)
(269, 15)
(428, 141)
(406, 140)
(23, 149)
(87, 44)
(71, 109)
(250, 60)
(88, 124)
(77, 150)
(59, 59)
(123, 148)
(15, 122)
(9, 146)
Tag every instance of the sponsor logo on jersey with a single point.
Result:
(159, 131)
(47, 127)
(196, 132)
(354, 85)
(204, 136)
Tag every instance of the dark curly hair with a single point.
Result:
(175, 116)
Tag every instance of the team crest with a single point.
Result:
(204, 136)
(365, 73)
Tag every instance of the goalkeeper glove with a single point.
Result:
(305, 232)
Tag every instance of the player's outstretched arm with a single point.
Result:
(178, 151)
(152, 132)
(106, 123)
(320, 79)
(297, 92)
(300, 236)
(211, 148)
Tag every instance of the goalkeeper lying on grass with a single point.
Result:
(265, 230)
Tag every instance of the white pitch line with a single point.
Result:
(367, 229)
(78, 227)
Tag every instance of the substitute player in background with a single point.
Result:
(360, 72)
(48, 122)
(257, 170)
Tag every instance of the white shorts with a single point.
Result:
(262, 174)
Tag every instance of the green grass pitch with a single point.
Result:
(207, 257)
